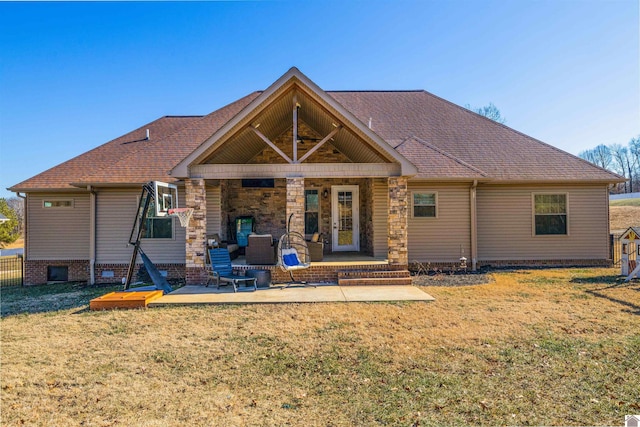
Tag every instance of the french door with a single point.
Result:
(345, 218)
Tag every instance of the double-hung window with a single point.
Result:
(311, 211)
(425, 205)
(550, 214)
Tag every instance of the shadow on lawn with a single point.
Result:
(48, 298)
(633, 308)
(614, 282)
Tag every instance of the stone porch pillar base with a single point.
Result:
(295, 204)
(196, 198)
(398, 221)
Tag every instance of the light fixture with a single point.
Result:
(325, 193)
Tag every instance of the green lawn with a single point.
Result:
(625, 202)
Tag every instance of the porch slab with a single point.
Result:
(323, 293)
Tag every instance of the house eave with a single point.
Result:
(483, 180)
(28, 190)
(298, 170)
(552, 181)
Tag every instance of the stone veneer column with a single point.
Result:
(295, 204)
(398, 221)
(196, 232)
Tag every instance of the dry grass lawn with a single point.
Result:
(547, 347)
(19, 243)
(623, 217)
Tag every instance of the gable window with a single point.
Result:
(311, 211)
(550, 214)
(425, 205)
(157, 227)
(57, 203)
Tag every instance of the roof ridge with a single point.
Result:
(93, 150)
(164, 138)
(375, 90)
(521, 134)
(444, 153)
(85, 177)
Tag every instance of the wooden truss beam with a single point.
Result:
(295, 128)
(319, 144)
(271, 144)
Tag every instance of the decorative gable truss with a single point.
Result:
(300, 123)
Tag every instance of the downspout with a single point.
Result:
(24, 226)
(92, 234)
(474, 226)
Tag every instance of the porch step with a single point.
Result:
(372, 278)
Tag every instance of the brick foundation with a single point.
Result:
(546, 263)
(35, 272)
(567, 263)
(174, 272)
(318, 273)
(196, 275)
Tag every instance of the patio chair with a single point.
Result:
(316, 248)
(220, 270)
(260, 250)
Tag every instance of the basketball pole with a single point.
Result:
(145, 201)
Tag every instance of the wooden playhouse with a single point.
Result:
(630, 253)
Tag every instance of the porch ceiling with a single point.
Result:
(277, 118)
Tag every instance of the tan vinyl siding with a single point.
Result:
(441, 239)
(116, 212)
(214, 214)
(505, 224)
(379, 217)
(58, 233)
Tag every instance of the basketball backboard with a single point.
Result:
(165, 196)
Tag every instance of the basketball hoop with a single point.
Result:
(183, 214)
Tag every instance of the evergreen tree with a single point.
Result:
(9, 230)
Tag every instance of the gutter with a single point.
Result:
(92, 234)
(24, 225)
(474, 225)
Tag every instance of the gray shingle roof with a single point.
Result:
(443, 140)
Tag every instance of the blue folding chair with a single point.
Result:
(219, 270)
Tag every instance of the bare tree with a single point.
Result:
(490, 111)
(634, 151)
(624, 164)
(623, 160)
(599, 156)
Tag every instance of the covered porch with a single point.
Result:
(294, 152)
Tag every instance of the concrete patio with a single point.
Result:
(322, 293)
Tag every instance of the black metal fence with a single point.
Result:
(615, 249)
(11, 270)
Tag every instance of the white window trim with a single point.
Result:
(58, 199)
(412, 205)
(319, 190)
(533, 214)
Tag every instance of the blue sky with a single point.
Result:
(75, 75)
